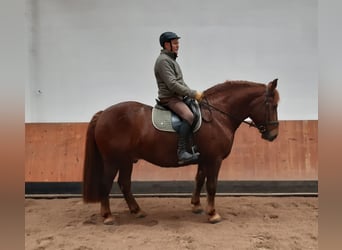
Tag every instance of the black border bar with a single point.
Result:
(181, 187)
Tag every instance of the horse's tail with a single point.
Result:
(93, 165)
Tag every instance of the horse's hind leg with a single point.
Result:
(124, 182)
(110, 172)
(199, 182)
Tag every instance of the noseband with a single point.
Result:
(261, 127)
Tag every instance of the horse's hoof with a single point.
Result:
(215, 218)
(109, 221)
(197, 209)
(140, 214)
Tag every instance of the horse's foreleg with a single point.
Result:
(108, 177)
(212, 175)
(199, 181)
(124, 182)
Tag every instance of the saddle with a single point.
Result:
(164, 119)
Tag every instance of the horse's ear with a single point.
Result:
(273, 84)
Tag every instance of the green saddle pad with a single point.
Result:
(161, 120)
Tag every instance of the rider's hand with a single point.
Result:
(199, 96)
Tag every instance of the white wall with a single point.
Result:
(86, 55)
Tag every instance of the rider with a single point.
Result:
(172, 89)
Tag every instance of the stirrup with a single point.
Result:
(194, 150)
(189, 158)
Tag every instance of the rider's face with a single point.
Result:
(174, 44)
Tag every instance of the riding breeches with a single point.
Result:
(179, 107)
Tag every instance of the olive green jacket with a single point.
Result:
(169, 77)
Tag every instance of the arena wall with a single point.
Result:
(55, 151)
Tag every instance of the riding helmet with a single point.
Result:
(167, 37)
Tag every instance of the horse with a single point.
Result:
(120, 135)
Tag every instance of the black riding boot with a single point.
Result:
(184, 134)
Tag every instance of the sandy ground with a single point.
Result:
(248, 223)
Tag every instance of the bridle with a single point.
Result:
(261, 127)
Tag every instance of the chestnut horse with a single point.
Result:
(123, 133)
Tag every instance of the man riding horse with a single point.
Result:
(172, 89)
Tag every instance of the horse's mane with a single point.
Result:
(229, 85)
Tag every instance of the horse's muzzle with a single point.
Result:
(269, 136)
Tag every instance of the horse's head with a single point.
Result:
(264, 112)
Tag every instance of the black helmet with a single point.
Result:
(167, 37)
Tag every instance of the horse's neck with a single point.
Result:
(236, 100)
